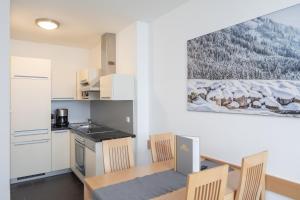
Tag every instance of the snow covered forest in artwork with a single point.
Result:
(252, 67)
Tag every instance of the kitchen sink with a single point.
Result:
(93, 128)
(88, 126)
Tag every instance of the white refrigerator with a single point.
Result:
(30, 117)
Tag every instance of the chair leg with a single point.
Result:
(263, 192)
(262, 195)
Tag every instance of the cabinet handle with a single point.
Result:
(61, 131)
(31, 142)
(35, 77)
(31, 132)
(63, 98)
(105, 97)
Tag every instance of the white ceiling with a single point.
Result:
(82, 21)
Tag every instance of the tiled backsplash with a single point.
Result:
(113, 114)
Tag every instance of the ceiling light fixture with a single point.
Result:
(47, 24)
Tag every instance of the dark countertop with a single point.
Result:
(59, 128)
(99, 137)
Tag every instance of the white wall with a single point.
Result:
(223, 136)
(133, 58)
(5, 99)
(61, 57)
(126, 49)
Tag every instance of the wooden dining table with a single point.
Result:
(97, 182)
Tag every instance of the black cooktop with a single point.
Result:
(99, 137)
(98, 133)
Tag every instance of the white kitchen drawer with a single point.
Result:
(60, 150)
(30, 155)
(31, 132)
(25, 137)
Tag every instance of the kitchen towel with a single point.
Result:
(142, 188)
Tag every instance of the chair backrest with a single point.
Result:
(162, 147)
(252, 183)
(209, 184)
(118, 154)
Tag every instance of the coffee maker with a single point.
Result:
(62, 117)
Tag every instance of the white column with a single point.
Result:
(142, 92)
(133, 58)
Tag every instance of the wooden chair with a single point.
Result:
(162, 147)
(208, 185)
(118, 154)
(252, 183)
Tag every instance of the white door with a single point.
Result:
(63, 83)
(30, 116)
(30, 67)
(90, 162)
(60, 150)
(106, 87)
(30, 155)
(72, 150)
(30, 104)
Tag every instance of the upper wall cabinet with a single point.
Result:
(117, 87)
(64, 82)
(23, 67)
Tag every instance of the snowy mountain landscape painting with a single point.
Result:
(250, 68)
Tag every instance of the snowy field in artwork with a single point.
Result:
(264, 97)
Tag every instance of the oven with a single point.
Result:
(80, 154)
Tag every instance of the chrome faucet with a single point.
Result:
(90, 121)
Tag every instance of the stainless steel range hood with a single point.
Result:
(108, 54)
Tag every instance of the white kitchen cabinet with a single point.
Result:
(89, 79)
(30, 116)
(94, 165)
(64, 85)
(72, 150)
(30, 155)
(30, 95)
(30, 104)
(90, 162)
(64, 82)
(23, 67)
(117, 87)
(60, 150)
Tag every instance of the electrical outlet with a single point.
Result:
(128, 119)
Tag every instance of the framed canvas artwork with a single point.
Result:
(248, 68)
